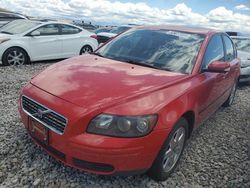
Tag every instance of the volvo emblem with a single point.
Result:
(40, 113)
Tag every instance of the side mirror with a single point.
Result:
(35, 33)
(219, 66)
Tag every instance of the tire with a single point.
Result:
(162, 166)
(15, 56)
(86, 49)
(231, 97)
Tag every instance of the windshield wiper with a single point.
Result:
(146, 65)
(137, 63)
(96, 53)
(5, 32)
(142, 64)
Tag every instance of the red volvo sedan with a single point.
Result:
(130, 106)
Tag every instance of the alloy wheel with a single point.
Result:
(174, 150)
(86, 49)
(15, 58)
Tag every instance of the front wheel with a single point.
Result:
(15, 56)
(170, 153)
(86, 50)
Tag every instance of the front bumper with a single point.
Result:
(105, 161)
(94, 153)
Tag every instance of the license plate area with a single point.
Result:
(38, 131)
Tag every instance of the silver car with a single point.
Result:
(243, 47)
(6, 17)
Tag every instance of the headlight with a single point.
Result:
(3, 40)
(122, 126)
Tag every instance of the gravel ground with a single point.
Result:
(217, 155)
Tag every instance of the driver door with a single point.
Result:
(47, 45)
(214, 85)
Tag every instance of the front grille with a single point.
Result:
(44, 115)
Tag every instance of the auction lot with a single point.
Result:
(217, 155)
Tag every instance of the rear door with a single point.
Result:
(72, 40)
(47, 45)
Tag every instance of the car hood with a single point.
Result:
(91, 81)
(245, 58)
(106, 34)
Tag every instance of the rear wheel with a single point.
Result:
(170, 153)
(231, 97)
(86, 50)
(15, 56)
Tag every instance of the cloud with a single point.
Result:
(107, 12)
(242, 7)
(228, 20)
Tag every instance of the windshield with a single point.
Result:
(119, 30)
(243, 44)
(18, 26)
(161, 49)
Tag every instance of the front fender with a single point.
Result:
(14, 43)
(169, 103)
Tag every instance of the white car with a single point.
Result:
(243, 47)
(24, 41)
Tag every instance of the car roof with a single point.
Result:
(23, 20)
(13, 13)
(188, 29)
(64, 23)
(49, 22)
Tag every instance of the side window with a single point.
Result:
(214, 51)
(67, 30)
(229, 48)
(51, 29)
